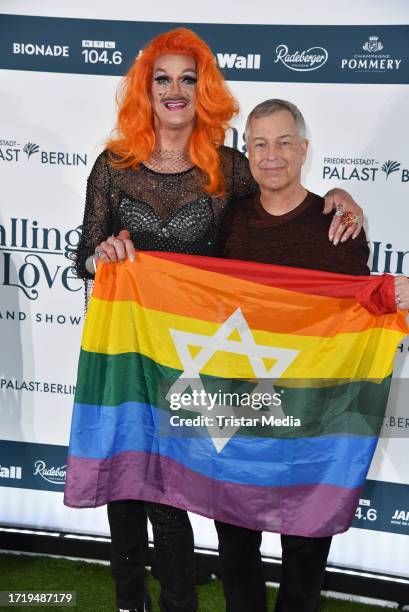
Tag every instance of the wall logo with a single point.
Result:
(12, 472)
(252, 61)
(362, 169)
(11, 151)
(389, 167)
(373, 44)
(54, 475)
(304, 61)
(373, 60)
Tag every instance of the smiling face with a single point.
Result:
(173, 91)
(276, 153)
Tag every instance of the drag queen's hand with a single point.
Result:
(115, 248)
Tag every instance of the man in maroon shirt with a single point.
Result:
(283, 224)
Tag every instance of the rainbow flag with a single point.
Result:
(169, 337)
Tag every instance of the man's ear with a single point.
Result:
(304, 147)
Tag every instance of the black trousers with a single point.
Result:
(303, 568)
(174, 554)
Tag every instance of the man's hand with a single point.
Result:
(349, 218)
(402, 292)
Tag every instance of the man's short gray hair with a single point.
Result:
(275, 105)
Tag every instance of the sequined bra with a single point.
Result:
(162, 212)
(189, 229)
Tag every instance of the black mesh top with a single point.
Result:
(162, 212)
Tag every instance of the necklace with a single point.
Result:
(169, 161)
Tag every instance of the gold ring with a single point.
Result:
(349, 219)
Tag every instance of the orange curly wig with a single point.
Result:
(134, 139)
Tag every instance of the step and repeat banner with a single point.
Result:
(58, 83)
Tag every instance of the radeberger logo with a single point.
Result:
(32, 256)
(301, 61)
(55, 475)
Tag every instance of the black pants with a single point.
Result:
(174, 554)
(303, 568)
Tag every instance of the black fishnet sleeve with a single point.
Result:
(97, 224)
(243, 182)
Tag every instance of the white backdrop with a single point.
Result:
(71, 114)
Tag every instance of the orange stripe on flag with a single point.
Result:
(168, 286)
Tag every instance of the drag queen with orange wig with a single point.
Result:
(163, 183)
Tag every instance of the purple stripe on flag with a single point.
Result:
(306, 510)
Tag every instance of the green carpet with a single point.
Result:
(94, 587)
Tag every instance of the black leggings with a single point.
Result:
(174, 554)
(303, 568)
(303, 562)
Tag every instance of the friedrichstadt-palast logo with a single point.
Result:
(389, 167)
(34, 257)
(54, 475)
(373, 60)
(363, 169)
(251, 61)
(301, 61)
(12, 151)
